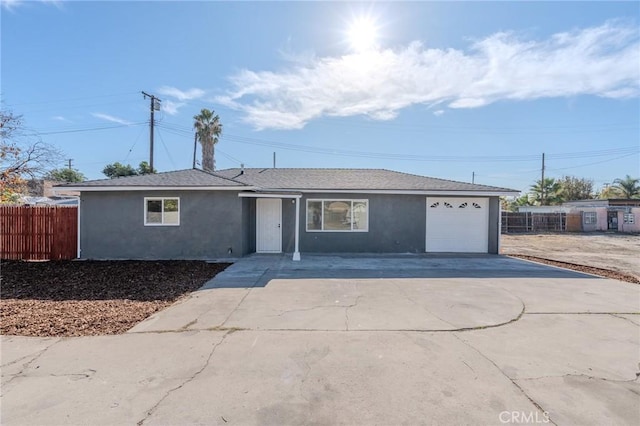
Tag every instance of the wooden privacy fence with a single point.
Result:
(513, 222)
(38, 233)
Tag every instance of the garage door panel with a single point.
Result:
(457, 224)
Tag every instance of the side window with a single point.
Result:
(161, 211)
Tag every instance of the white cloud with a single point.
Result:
(111, 118)
(181, 95)
(438, 113)
(171, 107)
(599, 61)
(60, 118)
(12, 5)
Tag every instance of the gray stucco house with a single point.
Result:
(192, 214)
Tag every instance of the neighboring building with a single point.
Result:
(614, 214)
(41, 192)
(192, 214)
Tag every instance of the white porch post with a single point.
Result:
(296, 252)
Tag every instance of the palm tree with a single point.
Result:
(548, 194)
(628, 187)
(208, 128)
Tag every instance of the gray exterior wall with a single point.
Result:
(212, 222)
(112, 226)
(494, 224)
(397, 224)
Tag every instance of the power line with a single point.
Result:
(72, 99)
(166, 150)
(597, 162)
(368, 154)
(92, 129)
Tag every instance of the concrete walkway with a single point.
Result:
(351, 340)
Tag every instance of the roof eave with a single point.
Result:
(150, 188)
(482, 193)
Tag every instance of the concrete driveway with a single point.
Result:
(351, 340)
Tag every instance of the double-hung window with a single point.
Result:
(337, 215)
(161, 211)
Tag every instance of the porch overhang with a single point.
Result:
(289, 195)
(270, 195)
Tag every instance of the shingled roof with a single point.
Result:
(270, 179)
(182, 178)
(348, 179)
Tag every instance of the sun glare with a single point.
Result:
(362, 34)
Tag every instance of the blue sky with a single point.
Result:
(438, 89)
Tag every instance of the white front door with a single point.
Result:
(457, 224)
(269, 225)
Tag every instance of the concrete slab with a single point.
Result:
(566, 295)
(343, 378)
(104, 380)
(544, 345)
(18, 352)
(634, 318)
(202, 310)
(582, 400)
(359, 304)
(321, 342)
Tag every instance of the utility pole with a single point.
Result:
(195, 144)
(542, 183)
(154, 106)
(473, 177)
(69, 160)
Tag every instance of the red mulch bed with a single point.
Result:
(86, 298)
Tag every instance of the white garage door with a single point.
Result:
(457, 224)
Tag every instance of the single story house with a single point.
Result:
(613, 214)
(193, 214)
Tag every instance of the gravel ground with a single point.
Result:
(608, 254)
(83, 298)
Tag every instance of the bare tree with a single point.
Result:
(22, 156)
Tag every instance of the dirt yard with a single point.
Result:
(617, 252)
(82, 298)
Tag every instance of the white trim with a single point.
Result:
(78, 219)
(152, 188)
(259, 195)
(321, 201)
(163, 200)
(296, 251)
(433, 193)
(444, 193)
(499, 236)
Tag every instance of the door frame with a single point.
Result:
(260, 202)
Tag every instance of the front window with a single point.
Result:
(589, 218)
(338, 215)
(629, 218)
(161, 211)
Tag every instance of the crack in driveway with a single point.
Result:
(604, 379)
(534, 402)
(28, 364)
(187, 381)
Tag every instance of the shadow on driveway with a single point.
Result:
(258, 269)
